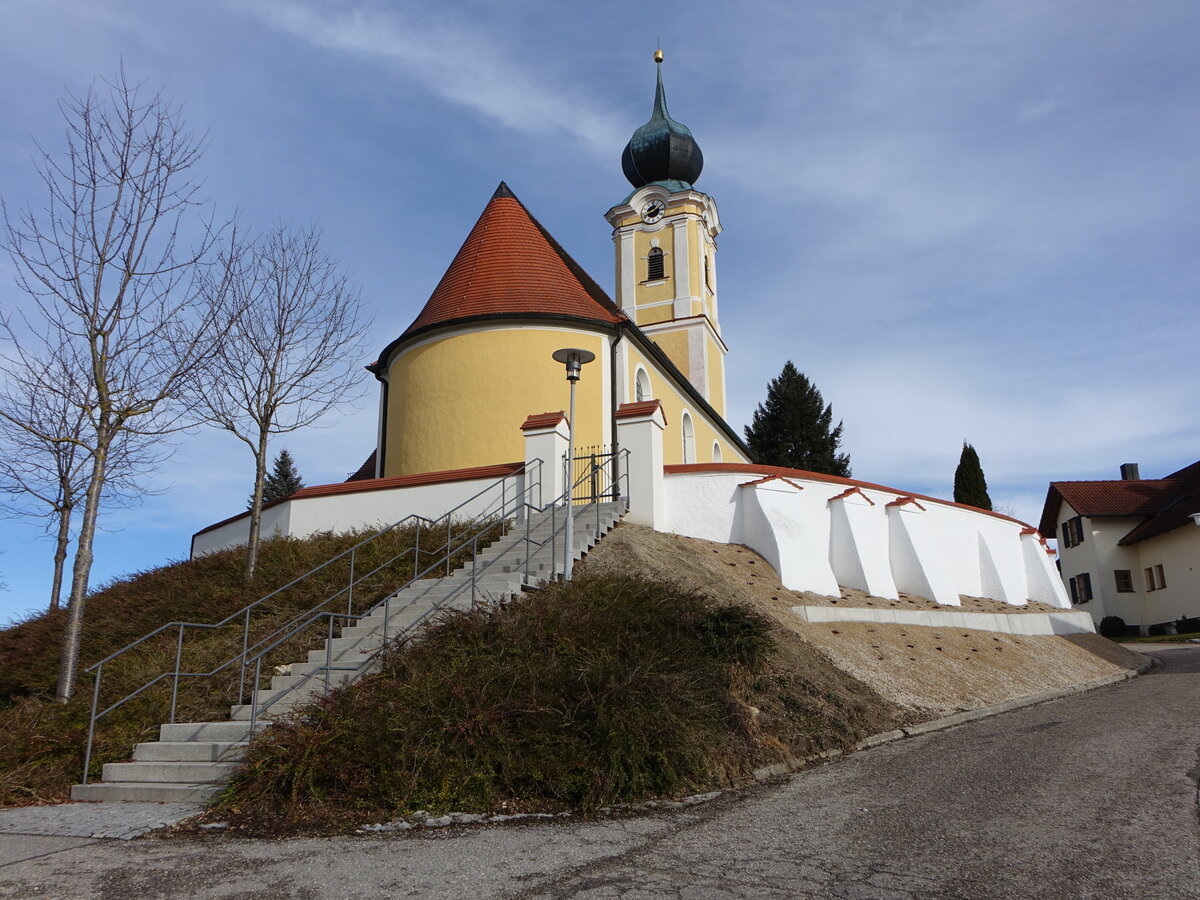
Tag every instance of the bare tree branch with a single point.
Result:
(293, 351)
(115, 261)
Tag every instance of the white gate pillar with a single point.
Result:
(640, 431)
(546, 436)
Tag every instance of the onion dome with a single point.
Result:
(662, 149)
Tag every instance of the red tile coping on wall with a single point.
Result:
(714, 468)
(771, 478)
(854, 490)
(544, 420)
(383, 484)
(640, 408)
(904, 501)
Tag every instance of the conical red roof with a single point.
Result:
(510, 265)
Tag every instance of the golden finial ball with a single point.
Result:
(658, 57)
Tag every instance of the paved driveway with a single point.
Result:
(1094, 796)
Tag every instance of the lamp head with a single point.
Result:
(574, 359)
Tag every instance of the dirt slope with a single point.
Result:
(916, 673)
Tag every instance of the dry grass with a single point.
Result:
(927, 672)
(42, 753)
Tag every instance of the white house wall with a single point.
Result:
(823, 536)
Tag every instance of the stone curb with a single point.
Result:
(793, 765)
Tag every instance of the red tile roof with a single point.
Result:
(639, 408)
(366, 470)
(509, 264)
(1163, 503)
(543, 420)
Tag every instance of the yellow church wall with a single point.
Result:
(716, 374)
(675, 345)
(458, 401)
(674, 404)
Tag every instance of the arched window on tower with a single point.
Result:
(641, 386)
(654, 265)
(707, 274)
(689, 440)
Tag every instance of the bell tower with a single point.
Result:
(665, 237)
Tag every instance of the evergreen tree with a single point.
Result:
(283, 480)
(794, 428)
(970, 487)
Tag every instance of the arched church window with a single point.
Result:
(707, 274)
(641, 386)
(716, 452)
(689, 440)
(654, 264)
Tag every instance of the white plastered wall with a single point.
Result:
(820, 536)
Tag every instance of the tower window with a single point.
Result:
(654, 265)
(707, 274)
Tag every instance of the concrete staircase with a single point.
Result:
(192, 762)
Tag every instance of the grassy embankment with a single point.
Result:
(41, 754)
(609, 689)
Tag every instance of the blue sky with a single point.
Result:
(968, 220)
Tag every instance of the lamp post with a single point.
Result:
(574, 359)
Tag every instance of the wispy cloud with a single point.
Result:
(454, 60)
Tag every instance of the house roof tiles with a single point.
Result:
(1162, 503)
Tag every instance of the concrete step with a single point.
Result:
(143, 792)
(189, 751)
(281, 682)
(170, 772)
(207, 732)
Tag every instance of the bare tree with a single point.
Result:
(110, 258)
(292, 353)
(46, 477)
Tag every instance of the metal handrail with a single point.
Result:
(517, 497)
(565, 500)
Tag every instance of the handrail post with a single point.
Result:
(350, 595)
(254, 695)
(175, 682)
(87, 754)
(387, 615)
(474, 554)
(448, 544)
(417, 550)
(245, 650)
(528, 518)
(328, 653)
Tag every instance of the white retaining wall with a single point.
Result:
(361, 508)
(819, 534)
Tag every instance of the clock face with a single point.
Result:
(653, 211)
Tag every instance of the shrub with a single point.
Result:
(1113, 626)
(1187, 624)
(595, 692)
(1157, 629)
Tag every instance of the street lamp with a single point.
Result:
(574, 359)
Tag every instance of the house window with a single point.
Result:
(689, 440)
(654, 265)
(716, 452)
(641, 386)
(1155, 579)
(1081, 588)
(1072, 532)
(1124, 581)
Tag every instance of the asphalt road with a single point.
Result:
(1093, 796)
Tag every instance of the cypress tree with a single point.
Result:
(283, 480)
(794, 427)
(970, 487)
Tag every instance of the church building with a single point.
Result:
(512, 296)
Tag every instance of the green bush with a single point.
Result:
(1157, 629)
(1187, 625)
(599, 691)
(1113, 626)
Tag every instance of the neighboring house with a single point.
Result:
(1131, 547)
